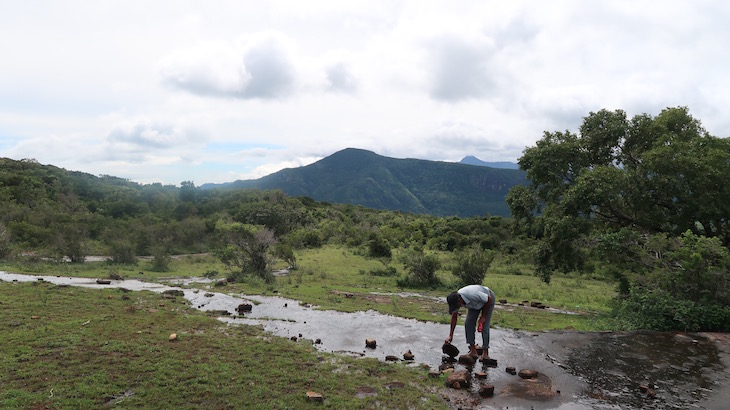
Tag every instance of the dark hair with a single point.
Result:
(453, 301)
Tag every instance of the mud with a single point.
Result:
(576, 370)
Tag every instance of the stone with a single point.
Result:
(370, 343)
(480, 375)
(511, 370)
(315, 397)
(450, 350)
(103, 281)
(445, 366)
(244, 308)
(489, 362)
(461, 378)
(174, 292)
(173, 337)
(486, 391)
(391, 358)
(535, 304)
(467, 360)
(528, 374)
(503, 301)
(293, 338)
(318, 342)
(408, 355)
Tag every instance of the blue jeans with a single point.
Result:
(470, 324)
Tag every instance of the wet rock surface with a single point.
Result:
(591, 370)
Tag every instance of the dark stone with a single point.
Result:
(103, 281)
(450, 350)
(503, 301)
(486, 391)
(244, 308)
(489, 362)
(480, 375)
(174, 292)
(408, 355)
(370, 343)
(318, 342)
(535, 304)
(528, 374)
(445, 366)
(293, 338)
(467, 360)
(511, 370)
(391, 358)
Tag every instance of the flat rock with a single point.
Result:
(391, 358)
(314, 396)
(408, 355)
(528, 374)
(480, 375)
(511, 370)
(489, 362)
(461, 379)
(486, 391)
(370, 343)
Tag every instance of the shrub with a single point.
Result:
(471, 265)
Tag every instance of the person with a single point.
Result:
(478, 300)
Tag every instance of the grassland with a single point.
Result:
(64, 347)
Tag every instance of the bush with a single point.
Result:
(122, 252)
(387, 271)
(471, 265)
(378, 247)
(421, 270)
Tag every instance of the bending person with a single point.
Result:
(479, 300)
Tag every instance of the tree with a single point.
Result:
(653, 175)
(647, 197)
(245, 248)
(421, 269)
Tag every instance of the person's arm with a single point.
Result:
(454, 319)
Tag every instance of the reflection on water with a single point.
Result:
(591, 370)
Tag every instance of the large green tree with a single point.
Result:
(624, 190)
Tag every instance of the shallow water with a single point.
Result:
(590, 370)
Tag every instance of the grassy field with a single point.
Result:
(327, 275)
(66, 347)
(73, 348)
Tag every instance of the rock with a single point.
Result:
(528, 374)
(503, 301)
(370, 343)
(173, 337)
(222, 282)
(643, 388)
(349, 295)
(511, 370)
(535, 304)
(489, 362)
(467, 360)
(103, 281)
(408, 355)
(450, 350)
(293, 338)
(461, 379)
(480, 375)
(391, 358)
(486, 391)
(445, 366)
(315, 397)
(174, 292)
(244, 308)
(650, 393)
(209, 295)
(318, 342)
(35, 317)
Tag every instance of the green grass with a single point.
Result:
(67, 348)
(328, 275)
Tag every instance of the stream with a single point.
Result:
(577, 370)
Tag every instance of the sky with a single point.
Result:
(216, 91)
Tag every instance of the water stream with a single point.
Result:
(577, 370)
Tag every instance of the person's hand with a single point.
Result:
(448, 340)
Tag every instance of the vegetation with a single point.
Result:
(72, 348)
(647, 199)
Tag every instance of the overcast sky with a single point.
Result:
(214, 91)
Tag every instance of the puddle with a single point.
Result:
(590, 370)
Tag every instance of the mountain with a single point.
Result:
(472, 160)
(361, 177)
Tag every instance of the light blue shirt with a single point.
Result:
(475, 296)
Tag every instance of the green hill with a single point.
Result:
(355, 176)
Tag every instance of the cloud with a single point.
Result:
(145, 140)
(462, 68)
(260, 68)
(340, 78)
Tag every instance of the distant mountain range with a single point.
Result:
(360, 177)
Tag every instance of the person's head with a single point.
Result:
(454, 301)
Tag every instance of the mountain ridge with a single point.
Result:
(360, 177)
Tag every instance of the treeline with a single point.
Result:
(50, 212)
